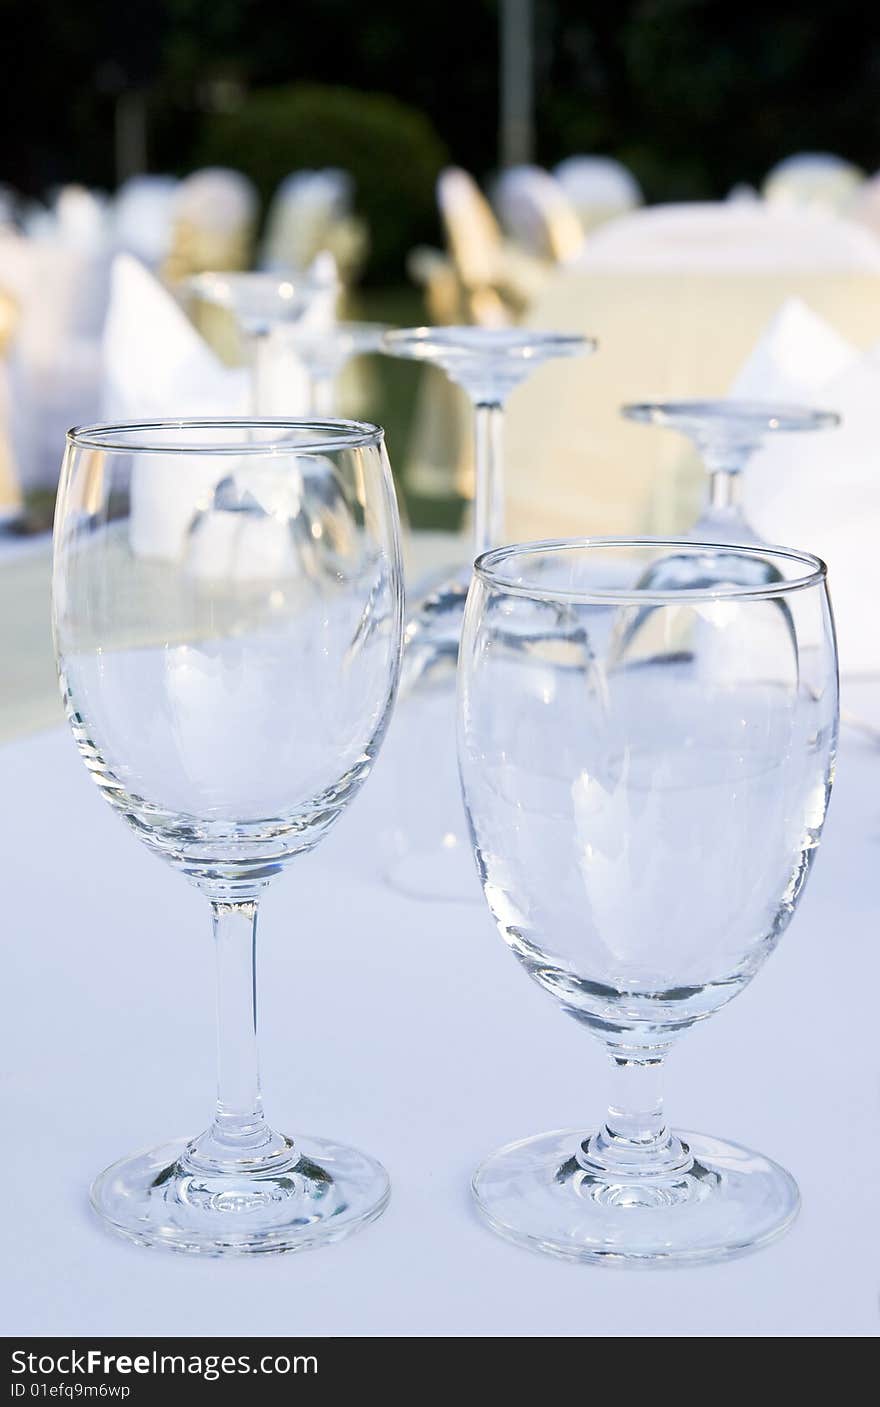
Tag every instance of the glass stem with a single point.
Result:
(239, 1134)
(489, 475)
(635, 1140)
(724, 490)
(261, 373)
(239, 1112)
(322, 394)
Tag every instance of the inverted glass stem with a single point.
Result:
(724, 490)
(322, 393)
(489, 475)
(261, 361)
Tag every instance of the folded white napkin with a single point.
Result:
(155, 362)
(157, 366)
(821, 491)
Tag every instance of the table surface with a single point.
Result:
(407, 1029)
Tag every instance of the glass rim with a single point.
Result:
(326, 434)
(254, 278)
(767, 415)
(453, 338)
(489, 567)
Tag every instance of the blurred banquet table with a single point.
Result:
(406, 1029)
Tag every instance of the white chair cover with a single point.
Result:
(598, 187)
(472, 231)
(813, 180)
(537, 214)
(214, 215)
(866, 207)
(143, 218)
(57, 277)
(311, 212)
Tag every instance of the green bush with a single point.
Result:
(391, 151)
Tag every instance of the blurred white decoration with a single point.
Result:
(599, 188)
(57, 277)
(143, 218)
(214, 216)
(822, 492)
(312, 211)
(157, 366)
(813, 181)
(743, 194)
(82, 218)
(866, 207)
(537, 214)
(217, 200)
(718, 237)
(9, 207)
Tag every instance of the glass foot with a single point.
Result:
(320, 1193)
(727, 1201)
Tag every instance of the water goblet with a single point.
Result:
(229, 700)
(643, 826)
(430, 860)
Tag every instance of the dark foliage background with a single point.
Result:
(693, 94)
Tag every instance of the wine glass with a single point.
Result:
(229, 701)
(326, 351)
(727, 433)
(263, 304)
(643, 826)
(430, 859)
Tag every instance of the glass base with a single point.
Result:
(541, 1194)
(322, 1192)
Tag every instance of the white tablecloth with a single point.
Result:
(409, 1030)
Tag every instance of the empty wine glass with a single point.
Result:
(487, 363)
(263, 304)
(228, 689)
(326, 351)
(727, 433)
(643, 827)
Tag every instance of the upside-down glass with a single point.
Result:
(488, 363)
(228, 690)
(644, 820)
(727, 433)
(264, 305)
(326, 351)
